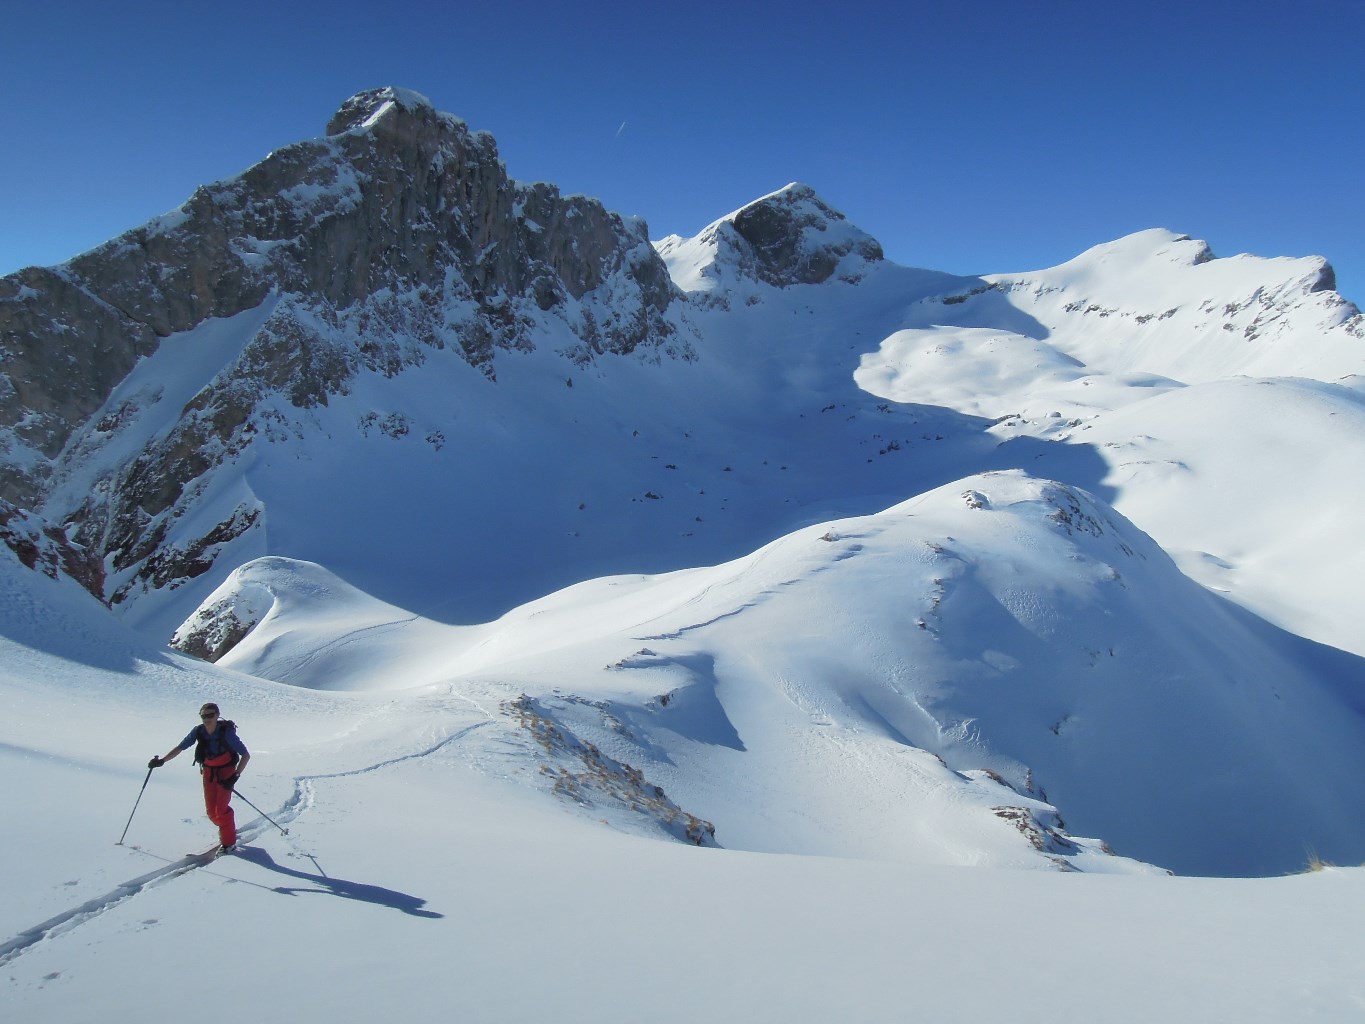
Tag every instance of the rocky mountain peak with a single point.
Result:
(794, 237)
(398, 235)
(789, 237)
(398, 198)
(364, 109)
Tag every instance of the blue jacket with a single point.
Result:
(216, 741)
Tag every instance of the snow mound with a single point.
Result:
(1270, 514)
(1018, 627)
(995, 373)
(1000, 660)
(251, 622)
(1156, 302)
(1119, 323)
(1156, 264)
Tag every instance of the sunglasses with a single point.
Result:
(211, 714)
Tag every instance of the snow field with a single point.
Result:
(436, 888)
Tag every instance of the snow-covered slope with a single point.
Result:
(446, 847)
(794, 375)
(827, 693)
(1159, 303)
(1226, 423)
(553, 593)
(1254, 486)
(1152, 310)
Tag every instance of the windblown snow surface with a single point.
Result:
(1046, 720)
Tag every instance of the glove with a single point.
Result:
(155, 762)
(229, 782)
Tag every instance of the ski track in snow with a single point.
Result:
(288, 666)
(850, 551)
(301, 800)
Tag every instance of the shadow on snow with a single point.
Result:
(347, 890)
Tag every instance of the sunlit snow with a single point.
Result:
(918, 646)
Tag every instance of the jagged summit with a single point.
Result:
(398, 237)
(796, 237)
(365, 108)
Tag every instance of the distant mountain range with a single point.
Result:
(376, 356)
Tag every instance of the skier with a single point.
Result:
(222, 758)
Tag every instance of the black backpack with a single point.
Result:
(201, 747)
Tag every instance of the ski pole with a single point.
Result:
(135, 803)
(260, 812)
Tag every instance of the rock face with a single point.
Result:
(401, 219)
(397, 235)
(45, 548)
(790, 237)
(793, 237)
(221, 623)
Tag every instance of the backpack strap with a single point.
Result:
(229, 729)
(201, 748)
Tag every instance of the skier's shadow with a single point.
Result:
(321, 883)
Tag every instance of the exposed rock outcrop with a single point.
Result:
(222, 622)
(581, 772)
(396, 235)
(788, 238)
(400, 220)
(793, 237)
(46, 548)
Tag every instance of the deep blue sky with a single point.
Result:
(971, 138)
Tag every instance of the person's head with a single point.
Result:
(209, 713)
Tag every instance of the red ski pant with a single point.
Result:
(216, 798)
